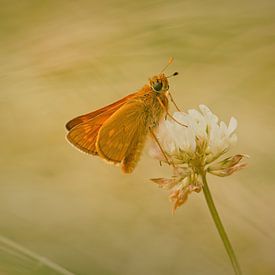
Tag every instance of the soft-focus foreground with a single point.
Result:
(63, 58)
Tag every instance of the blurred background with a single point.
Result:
(63, 212)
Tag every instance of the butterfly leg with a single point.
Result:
(168, 114)
(161, 149)
(173, 101)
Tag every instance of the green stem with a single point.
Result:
(41, 260)
(219, 226)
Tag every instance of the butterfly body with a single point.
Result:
(118, 132)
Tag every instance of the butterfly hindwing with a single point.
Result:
(122, 136)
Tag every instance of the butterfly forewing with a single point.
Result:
(110, 108)
(83, 129)
(84, 135)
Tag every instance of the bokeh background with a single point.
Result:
(63, 212)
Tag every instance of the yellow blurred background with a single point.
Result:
(60, 59)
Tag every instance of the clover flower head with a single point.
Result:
(194, 149)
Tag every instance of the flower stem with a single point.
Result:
(219, 226)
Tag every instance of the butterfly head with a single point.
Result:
(159, 83)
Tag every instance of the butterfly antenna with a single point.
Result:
(174, 74)
(170, 61)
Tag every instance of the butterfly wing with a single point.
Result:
(84, 134)
(110, 108)
(122, 137)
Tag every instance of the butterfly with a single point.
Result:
(118, 132)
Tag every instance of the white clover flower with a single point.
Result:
(181, 143)
(193, 149)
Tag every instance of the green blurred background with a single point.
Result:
(60, 59)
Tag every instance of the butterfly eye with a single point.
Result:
(157, 86)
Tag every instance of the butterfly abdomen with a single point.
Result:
(134, 151)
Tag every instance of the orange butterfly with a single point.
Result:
(117, 132)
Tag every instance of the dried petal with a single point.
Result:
(182, 172)
(228, 171)
(227, 166)
(178, 198)
(166, 183)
